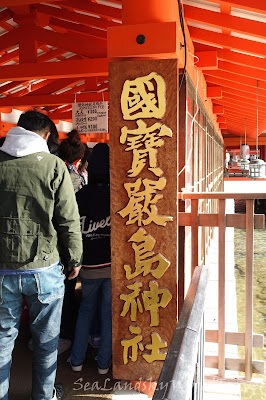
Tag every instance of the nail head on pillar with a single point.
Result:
(140, 39)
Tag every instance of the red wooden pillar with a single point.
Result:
(143, 128)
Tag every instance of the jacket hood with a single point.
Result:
(20, 142)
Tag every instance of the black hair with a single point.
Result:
(52, 141)
(98, 164)
(86, 156)
(35, 121)
(71, 149)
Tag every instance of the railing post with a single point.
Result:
(221, 289)
(249, 287)
(194, 235)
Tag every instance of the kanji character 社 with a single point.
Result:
(155, 346)
(134, 344)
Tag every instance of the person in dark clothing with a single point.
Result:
(94, 208)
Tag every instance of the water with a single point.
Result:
(250, 391)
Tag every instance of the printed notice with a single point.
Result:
(90, 117)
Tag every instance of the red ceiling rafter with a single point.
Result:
(229, 76)
(238, 100)
(93, 8)
(4, 90)
(241, 70)
(243, 88)
(89, 47)
(258, 6)
(56, 85)
(228, 42)
(55, 70)
(241, 59)
(51, 99)
(78, 28)
(9, 40)
(77, 18)
(224, 21)
(12, 56)
(31, 88)
(3, 3)
(6, 26)
(5, 15)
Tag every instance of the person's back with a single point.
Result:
(38, 210)
(94, 208)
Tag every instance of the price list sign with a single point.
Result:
(90, 117)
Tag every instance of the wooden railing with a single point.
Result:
(249, 221)
(182, 373)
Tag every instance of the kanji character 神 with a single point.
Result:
(153, 299)
(131, 301)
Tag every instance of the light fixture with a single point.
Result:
(257, 166)
(244, 153)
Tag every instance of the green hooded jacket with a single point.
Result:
(38, 210)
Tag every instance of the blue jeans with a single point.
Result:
(92, 289)
(44, 293)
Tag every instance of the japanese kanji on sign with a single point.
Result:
(143, 160)
(90, 117)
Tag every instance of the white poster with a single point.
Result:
(90, 117)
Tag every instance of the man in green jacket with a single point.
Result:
(38, 212)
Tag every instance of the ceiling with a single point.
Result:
(42, 43)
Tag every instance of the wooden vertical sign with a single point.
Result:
(143, 169)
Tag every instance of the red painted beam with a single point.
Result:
(3, 3)
(51, 99)
(224, 21)
(226, 41)
(206, 60)
(242, 59)
(222, 125)
(89, 47)
(241, 70)
(93, 8)
(55, 70)
(214, 92)
(77, 18)
(218, 110)
(221, 119)
(9, 40)
(258, 6)
(149, 11)
(78, 28)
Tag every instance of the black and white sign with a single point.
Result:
(90, 117)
